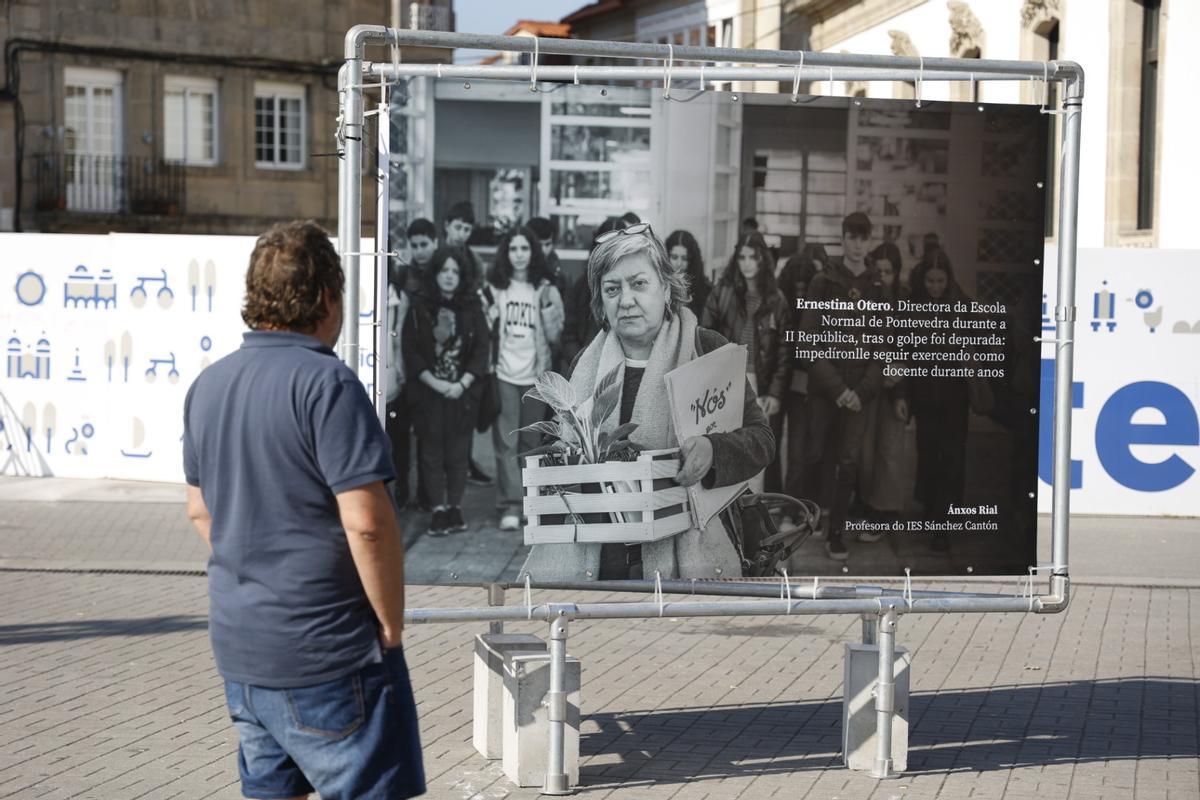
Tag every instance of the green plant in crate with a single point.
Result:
(575, 434)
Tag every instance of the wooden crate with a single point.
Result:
(650, 513)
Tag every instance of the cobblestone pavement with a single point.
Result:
(107, 687)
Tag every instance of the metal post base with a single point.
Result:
(885, 693)
(556, 785)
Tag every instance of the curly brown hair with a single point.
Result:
(291, 268)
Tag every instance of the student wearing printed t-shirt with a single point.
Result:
(525, 311)
(286, 463)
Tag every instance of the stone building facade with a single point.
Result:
(178, 117)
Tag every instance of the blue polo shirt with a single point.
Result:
(272, 432)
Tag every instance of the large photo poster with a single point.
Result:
(880, 263)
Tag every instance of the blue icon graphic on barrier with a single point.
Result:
(139, 436)
(76, 370)
(26, 361)
(84, 289)
(126, 354)
(30, 288)
(205, 347)
(1152, 318)
(77, 444)
(1104, 309)
(1047, 322)
(207, 288)
(155, 363)
(138, 294)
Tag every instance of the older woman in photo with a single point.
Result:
(647, 330)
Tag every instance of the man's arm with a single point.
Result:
(198, 513)
(378, 552)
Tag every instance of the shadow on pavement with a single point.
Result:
(38, 633)
(950, 731)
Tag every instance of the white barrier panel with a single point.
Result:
(104, 335)
(97, 327)
(1135, 431)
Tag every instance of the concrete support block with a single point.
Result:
(859, 720)
(527, 719)
(491, 651)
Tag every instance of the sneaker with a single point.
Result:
(836, 548)
(438, 525)
(454, 520)
(870, 536)
(477, 476)
(510, 522)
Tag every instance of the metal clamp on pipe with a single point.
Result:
(556, 706)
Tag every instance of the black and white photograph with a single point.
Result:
(865, 276)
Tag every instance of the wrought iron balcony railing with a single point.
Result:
(107, 184)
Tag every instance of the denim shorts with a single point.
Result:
(353, 737)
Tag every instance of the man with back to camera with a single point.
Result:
(285, 462)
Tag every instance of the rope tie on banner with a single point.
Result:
(908, 595)
(439, 70)
(576, 74)
(1046, 91)
(796, 80)
(658, 592)
(920, 77)
(785, 590)
(702, 77)
(372, 254)
(816, 580)
(528, 598)
(537, 51)
(831, 80)
(395, 56)
(667, 72)
(1032, 570)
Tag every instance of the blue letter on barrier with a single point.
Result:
(1115, 433)
(1046, 427)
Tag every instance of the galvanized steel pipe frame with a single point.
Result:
(350, 79)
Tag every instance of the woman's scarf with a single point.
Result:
(675, 344)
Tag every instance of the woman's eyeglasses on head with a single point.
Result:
(632, 230)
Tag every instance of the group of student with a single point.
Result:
(848, 425)
(467, 344)
(472, 342)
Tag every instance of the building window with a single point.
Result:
(279, 126)
(190, 121)
(1146, 119)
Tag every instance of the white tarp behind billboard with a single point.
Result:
(1136, 437)
(103, 335)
